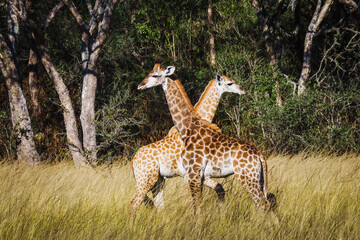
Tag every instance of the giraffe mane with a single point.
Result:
(187, 100)
(206, 123)
(172, 131)
(211, 125)
(211, 83)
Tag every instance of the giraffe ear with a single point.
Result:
(169, 70)
(218, 77)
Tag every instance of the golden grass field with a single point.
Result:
(318, 198)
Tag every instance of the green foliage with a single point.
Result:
(117, 123)
(326, 117)
(314, 121)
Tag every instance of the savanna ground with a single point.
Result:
(318, 198)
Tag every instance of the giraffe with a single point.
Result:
(207, 152)
(155, 162)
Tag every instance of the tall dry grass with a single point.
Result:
(318, 198)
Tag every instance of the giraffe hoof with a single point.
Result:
(272, 200)
(220, 192)
(148, 202)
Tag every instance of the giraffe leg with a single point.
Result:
(217, 187)
(136, 201)
(158, 192)
(146, 177)
(253, 186)
(195, 185)
(195, 188)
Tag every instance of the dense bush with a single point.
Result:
(326, 117)
(314, 121)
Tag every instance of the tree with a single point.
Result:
(270, 30)
(100, 15)
(212, 38)
(37, 34)
(93, 35)
(270, 26)
(313, 27)
(26, 151)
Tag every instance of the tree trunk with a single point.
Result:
(69, 113)
(33, 81)
(212, 38)
(279, 101)
(306, 66)
(100, 16)
(270, 41)
(315, 22)
(87, 116)
(71, 126)
(25, 145)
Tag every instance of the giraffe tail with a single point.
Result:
(264, 185)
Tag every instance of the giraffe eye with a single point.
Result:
(230, 83)
(156, 76)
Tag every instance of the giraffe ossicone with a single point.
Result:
(207, 152)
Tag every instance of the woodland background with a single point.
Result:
(298, 98)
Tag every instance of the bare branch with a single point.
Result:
(290, 82)
(293, 4)
(22, 9)
(97, 11)
(136, 55)
(96, 7)
(322, 13)
(51, 15)
(101, 10)
(312, 25)
(88, 4)
(352, 30)
(104, 26)
(323, 60)
(77, 16)
(335, 28)
(350, 5)
(13, 23)
(14, 8)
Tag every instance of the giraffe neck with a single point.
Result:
(182, 112)
(208, 102)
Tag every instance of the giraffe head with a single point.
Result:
(225, 84)
(157, 76)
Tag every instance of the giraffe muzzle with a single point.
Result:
(142, 85)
